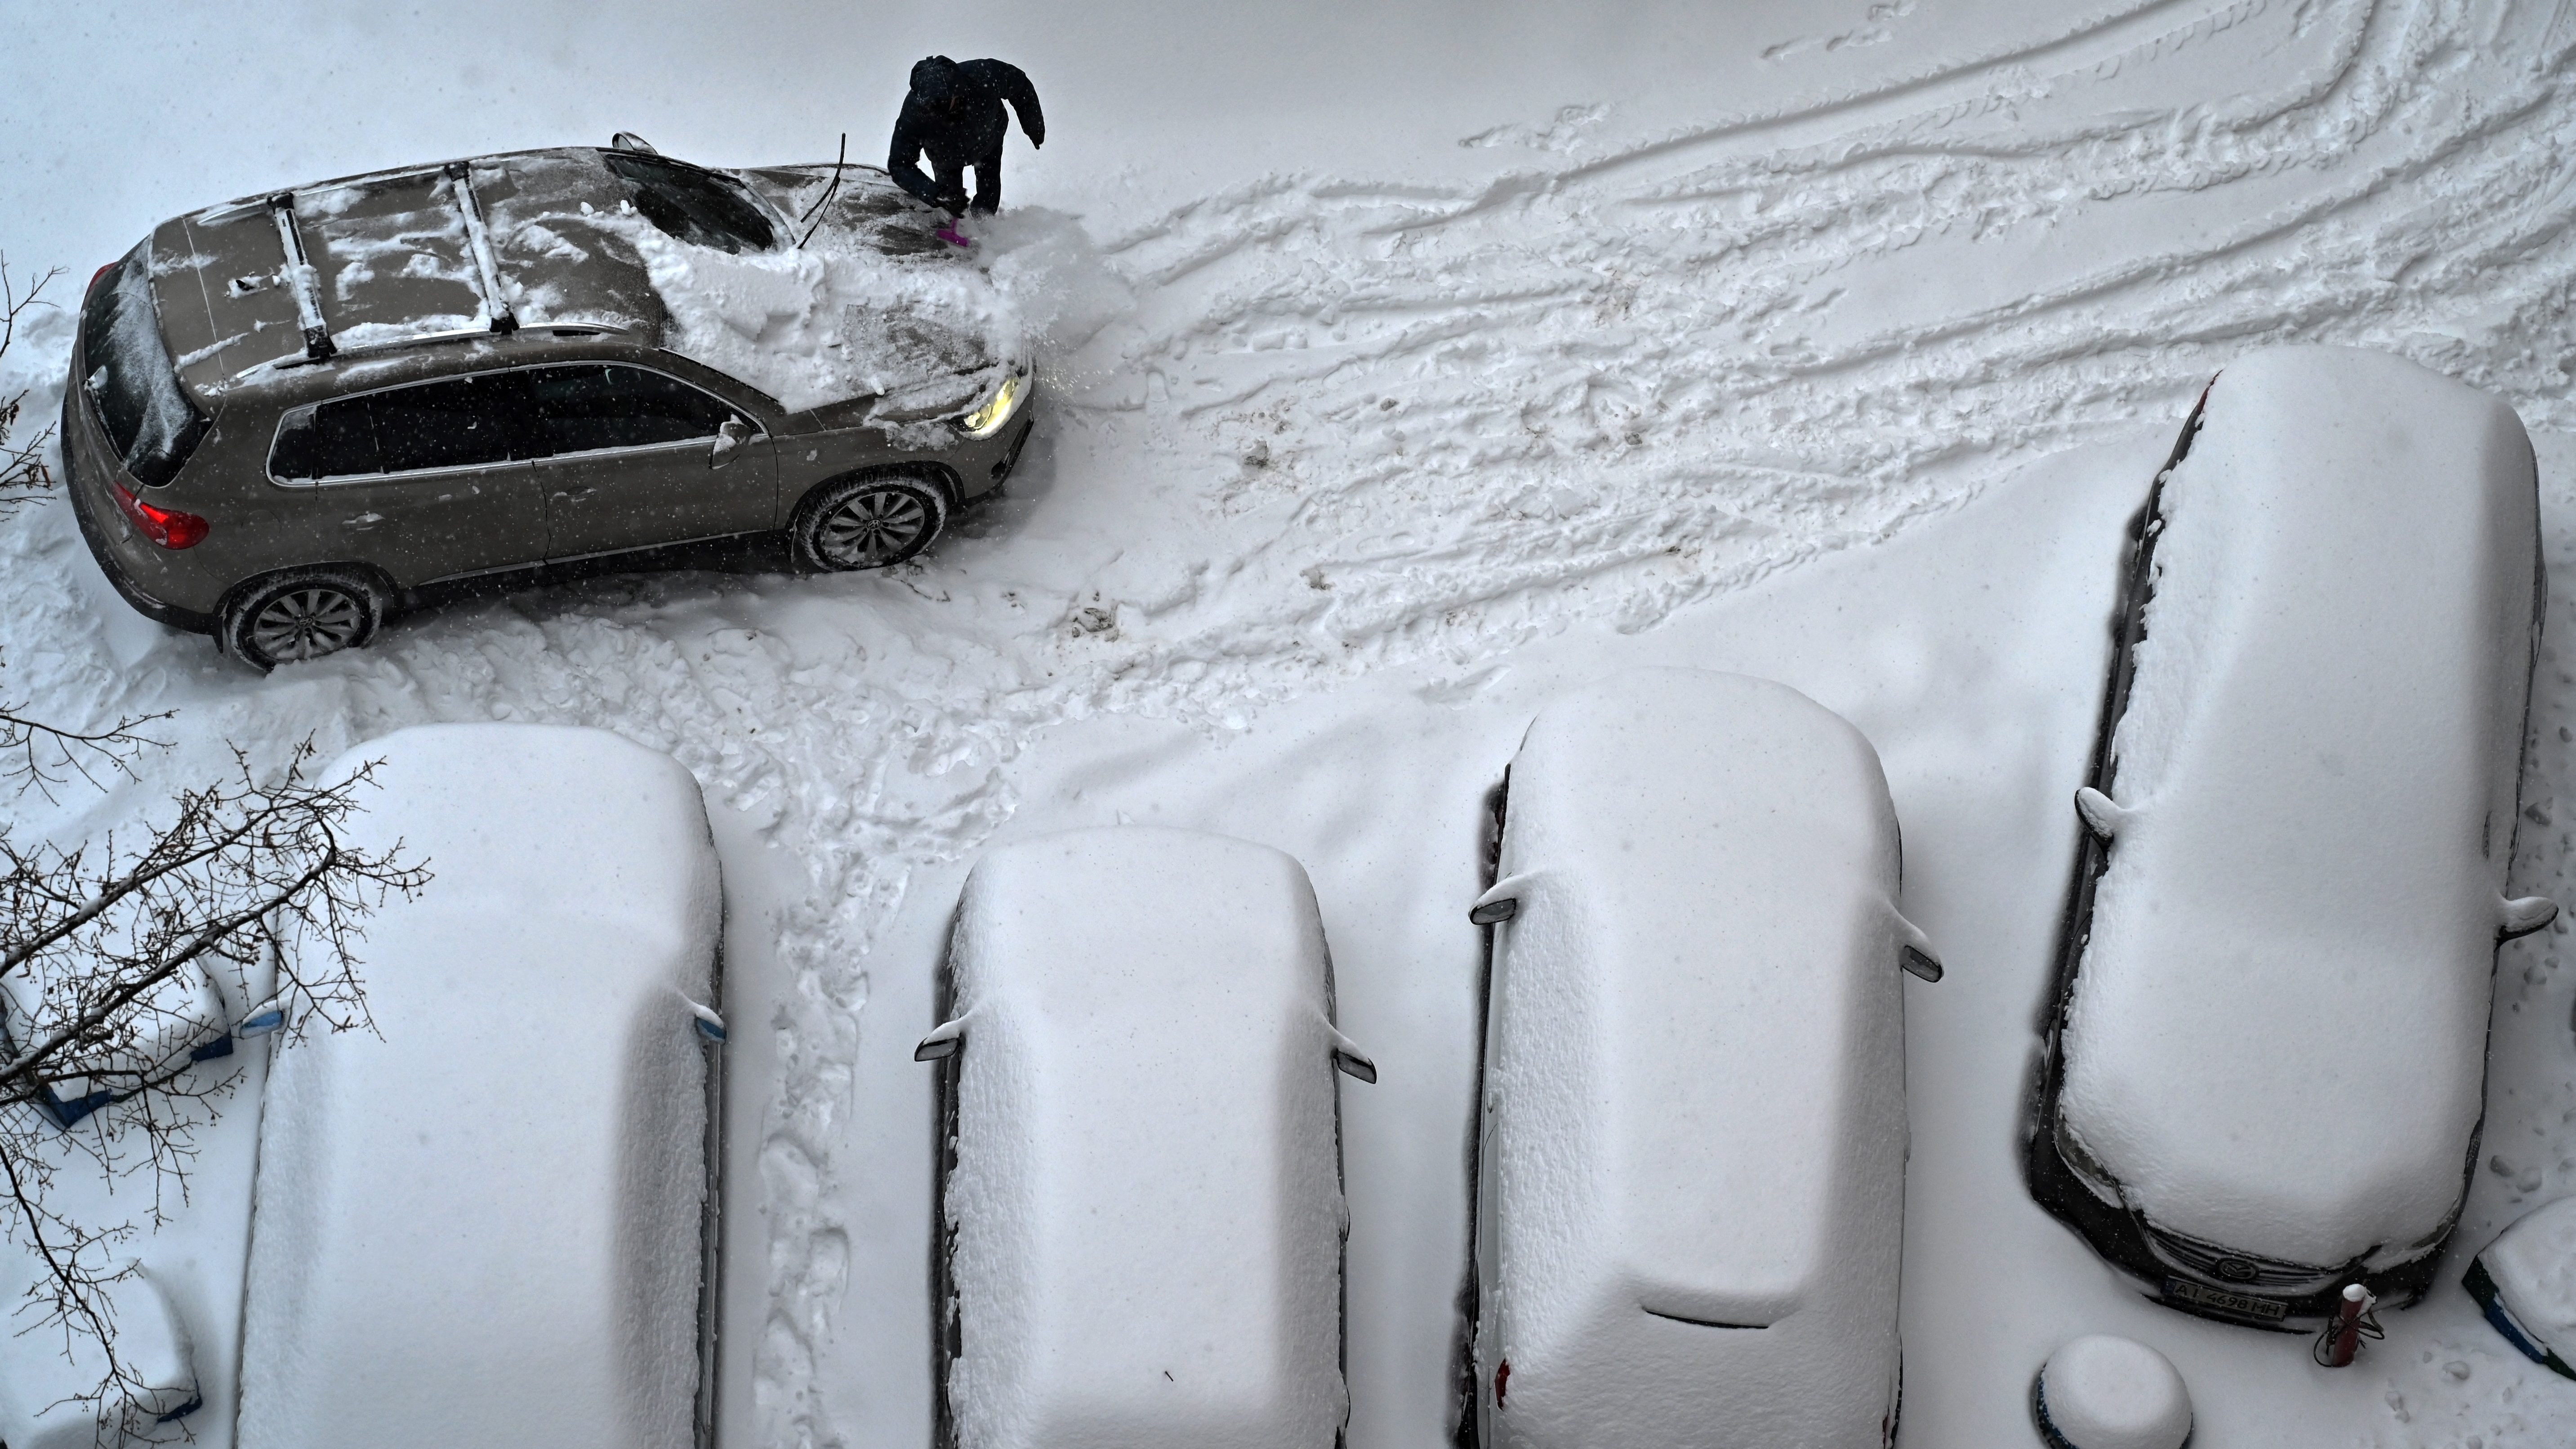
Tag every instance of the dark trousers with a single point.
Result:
(950, 177)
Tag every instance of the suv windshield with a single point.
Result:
(694, 204)
(132, 382)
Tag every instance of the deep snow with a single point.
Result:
(1407, 364)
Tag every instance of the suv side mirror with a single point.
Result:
(1500, 902)
(943, 1041)
(729, 441)
(1349, 1060)
(2518, 918)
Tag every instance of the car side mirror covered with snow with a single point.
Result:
(1500, 902)
(942, 1043)
(1350, 1061)
(2100, 815)
(2520, 917)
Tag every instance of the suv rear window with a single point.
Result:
(132, 382)
(694, 204)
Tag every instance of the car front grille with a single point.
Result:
(2231, 1268)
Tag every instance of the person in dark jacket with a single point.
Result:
(954, 113)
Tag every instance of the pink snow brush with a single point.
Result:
(952, 236)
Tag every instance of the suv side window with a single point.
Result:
(461, 422)
(326, 440)
(457, 422)
(587, 407)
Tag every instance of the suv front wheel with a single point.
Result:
(869, 523)
(301, 614)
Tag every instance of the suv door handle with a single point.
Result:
(574, 495)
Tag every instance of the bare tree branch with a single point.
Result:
(23, 473)
(123, 970)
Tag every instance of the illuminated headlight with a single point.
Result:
(987, 420)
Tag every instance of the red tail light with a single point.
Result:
(94, 276)
(167, 527)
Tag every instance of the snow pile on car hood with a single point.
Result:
(833, 321)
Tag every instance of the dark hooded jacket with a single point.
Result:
(968, 135)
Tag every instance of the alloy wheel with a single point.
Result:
(307, 623)
(873, 528)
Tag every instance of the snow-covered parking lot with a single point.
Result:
(1405, 365)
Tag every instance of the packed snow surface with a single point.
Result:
(2107, 1392)
(1695, 1092)
(2534, 1268)
(479, 1222)
(1147, 1196)
(1402, 367)
(2276, 1039)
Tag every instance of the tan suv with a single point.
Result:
(291, 416)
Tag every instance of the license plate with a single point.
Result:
(2225, 1302)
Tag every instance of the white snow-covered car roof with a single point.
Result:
(1694, 1151)
(1146, 1192)
(481, 1222)
(2275, 1040)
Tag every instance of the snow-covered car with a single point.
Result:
(492, 1219)
(2525, 1282)
(2264, 1074)
(1140, 1233)
(292, 415)
(1690, 1182)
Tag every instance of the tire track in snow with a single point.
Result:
(1636, 384)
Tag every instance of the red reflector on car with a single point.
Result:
(167, 527)
(94, 276)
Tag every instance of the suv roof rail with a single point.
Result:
(301, 280)
(487, 266)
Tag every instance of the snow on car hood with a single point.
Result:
(2277, 1037)
(832, 321)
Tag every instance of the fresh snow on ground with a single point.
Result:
(1404, 365)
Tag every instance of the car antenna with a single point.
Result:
(826, 197)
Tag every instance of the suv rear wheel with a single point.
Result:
(302, 614)
(869, 523)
